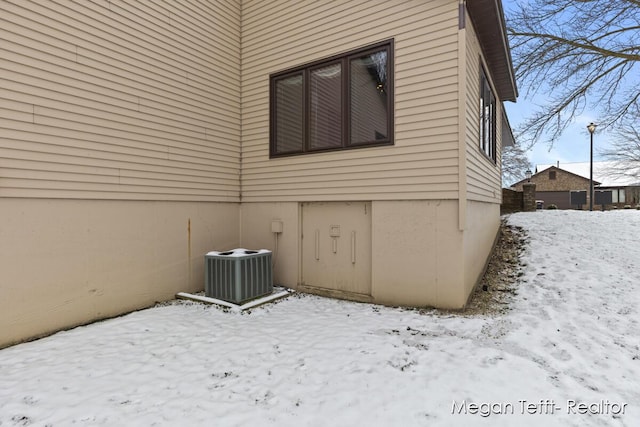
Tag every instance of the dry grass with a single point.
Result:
(500, 282)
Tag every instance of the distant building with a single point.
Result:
(554, 183)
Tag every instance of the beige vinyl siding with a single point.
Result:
(483, 176)
(120, 100)
(423, 163)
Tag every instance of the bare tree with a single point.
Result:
(514, 164)
(583, 54)
(624, 149)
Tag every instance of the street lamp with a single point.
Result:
(528, 175)
(592, 128)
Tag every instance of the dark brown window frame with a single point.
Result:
(488, 143)
(345, 61)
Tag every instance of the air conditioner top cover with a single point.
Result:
(239, 252)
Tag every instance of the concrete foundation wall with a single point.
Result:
(256, 219)
(69, 262)
(417, 250)
(483, 225)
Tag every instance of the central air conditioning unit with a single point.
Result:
(238, 275)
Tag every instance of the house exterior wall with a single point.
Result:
(137, 139)
(423, 163)
(255, 233)
(119, 155)
(416, 250)
(483, 177)
(483, 226)
(117, 100)
(417, 254)
(69, 262)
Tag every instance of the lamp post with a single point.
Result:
(592, 128)
(528, 175)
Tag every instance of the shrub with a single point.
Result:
(552, 206)
(627, 206)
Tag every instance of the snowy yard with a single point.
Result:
(567, 354)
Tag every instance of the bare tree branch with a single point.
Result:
(514, 165)
(584, 55)
(584, 45)
(624, 150)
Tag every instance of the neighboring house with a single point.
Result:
(553, 186)
(137, 136)
(555, 182)
(607, 175)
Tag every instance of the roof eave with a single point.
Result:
(488, 19)
(508, 140)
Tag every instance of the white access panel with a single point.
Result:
(336, 246)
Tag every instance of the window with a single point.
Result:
(552, 174)
(487, 118)
(618, 195)
(339, 103)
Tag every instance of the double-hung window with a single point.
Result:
(339, 103)
(487, 118)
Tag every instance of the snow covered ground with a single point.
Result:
(571, 339)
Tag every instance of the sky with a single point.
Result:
(572, 147)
